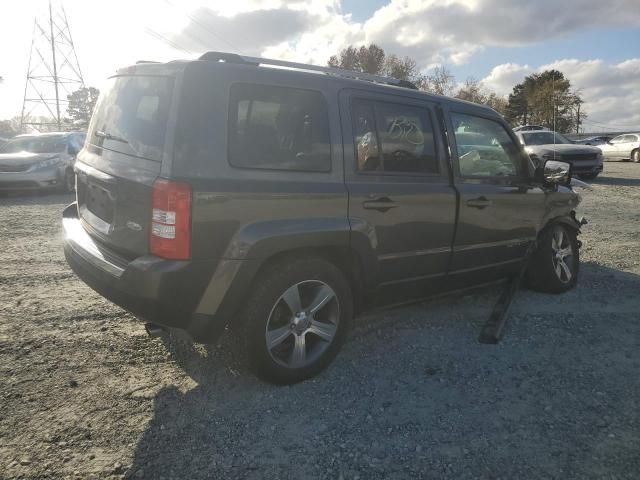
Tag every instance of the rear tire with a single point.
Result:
(635, 156)
(296, 319)
(555, 265)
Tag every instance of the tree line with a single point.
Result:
(546, 98)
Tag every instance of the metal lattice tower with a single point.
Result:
(53, 72)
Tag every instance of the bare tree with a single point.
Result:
(402, 68)
(474, 91)
(373, 59)
(364, 59)
(441, 81)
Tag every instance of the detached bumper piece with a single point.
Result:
(492, 330)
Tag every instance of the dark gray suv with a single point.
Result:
(280, 202)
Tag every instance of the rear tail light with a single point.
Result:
(170, 235)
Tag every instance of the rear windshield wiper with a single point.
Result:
(108, 136)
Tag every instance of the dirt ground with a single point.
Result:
(86, 394)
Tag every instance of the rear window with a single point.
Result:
(278, 128)
(131, 116)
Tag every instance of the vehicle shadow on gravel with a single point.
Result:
(623, 182)
(414, 394)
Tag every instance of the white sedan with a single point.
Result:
(622, 147)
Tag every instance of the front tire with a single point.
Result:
(556, 262)
(296, 319)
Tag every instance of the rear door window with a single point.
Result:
(278, 128)
(131, 116)
(393, 138)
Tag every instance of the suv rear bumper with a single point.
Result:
(166, 292)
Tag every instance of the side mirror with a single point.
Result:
(553, 172)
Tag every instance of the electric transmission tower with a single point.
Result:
(53, 72)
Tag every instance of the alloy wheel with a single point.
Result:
(562, 255)
(302, 324)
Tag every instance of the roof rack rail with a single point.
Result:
(336, 72)
(146, 61)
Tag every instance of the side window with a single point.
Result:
(278, 128)
(406, 138)
(618, 139)
(485, 149)
(393, 138)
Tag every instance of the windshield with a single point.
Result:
(48, 144)
(131, 116)
(543, 138)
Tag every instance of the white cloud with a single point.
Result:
(610, 91)
(431, 31)
(503, 77)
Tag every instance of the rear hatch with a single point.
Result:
(127, 143)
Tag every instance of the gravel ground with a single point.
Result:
(86, 394)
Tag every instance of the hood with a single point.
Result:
(562, 149)
(23, 159)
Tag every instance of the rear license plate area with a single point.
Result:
(100, 202)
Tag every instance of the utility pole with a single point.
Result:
(53, 72)
(55, 66)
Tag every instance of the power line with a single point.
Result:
(593, 122)
(196, 38)
(161, 37)
(204, 27)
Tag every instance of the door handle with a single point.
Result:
(382, 204)
(480, 202)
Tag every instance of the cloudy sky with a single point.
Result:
(595, 43)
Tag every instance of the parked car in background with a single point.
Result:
(40, 161)
(585, 160)
(596, 141)
(218, 193)
(623, 147)
(529, 127)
